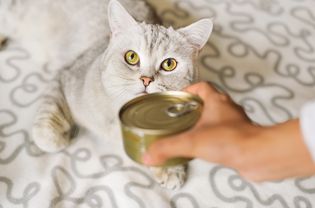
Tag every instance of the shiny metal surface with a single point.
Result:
(154, 116)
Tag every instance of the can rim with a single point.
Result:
(157, 131)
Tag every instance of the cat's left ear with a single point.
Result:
(119, 19)
(198, 33)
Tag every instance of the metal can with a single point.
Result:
(150, 117)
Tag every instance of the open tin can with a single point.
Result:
(150, 117)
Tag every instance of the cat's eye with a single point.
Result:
(169, 64)
(132, 57)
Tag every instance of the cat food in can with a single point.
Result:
(150, 117)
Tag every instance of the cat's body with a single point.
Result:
(103, 78)
(60, 30)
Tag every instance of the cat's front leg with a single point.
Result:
(172, 178)
(53, 126)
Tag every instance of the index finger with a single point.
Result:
(169, 147)
(203, 89)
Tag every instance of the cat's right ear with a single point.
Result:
(198, 33)
(119, 19)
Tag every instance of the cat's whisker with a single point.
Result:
(189, 79)
(124, 84)
(119, 92)
(122, 92)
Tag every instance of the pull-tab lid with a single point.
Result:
(180, 109)
(162, 113)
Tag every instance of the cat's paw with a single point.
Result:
(50, 139)
(172, 178)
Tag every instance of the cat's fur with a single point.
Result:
(59, 31)
(91, 92)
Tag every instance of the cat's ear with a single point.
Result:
(119, 19)
(198, 33)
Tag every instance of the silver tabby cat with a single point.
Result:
(138, 58)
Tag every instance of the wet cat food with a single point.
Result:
(148, 118)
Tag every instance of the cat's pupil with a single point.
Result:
(132, 56)
(169, 62)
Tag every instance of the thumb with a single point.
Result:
(169, 147)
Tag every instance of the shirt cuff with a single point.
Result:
(307, 124)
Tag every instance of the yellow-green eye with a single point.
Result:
(169, 64)
(132, 57)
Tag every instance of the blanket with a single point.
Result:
(261, 52)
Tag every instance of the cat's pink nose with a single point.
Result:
(146, 80)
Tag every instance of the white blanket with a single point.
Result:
(262, 52)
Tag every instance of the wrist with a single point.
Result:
(275, 152)
(248, 136)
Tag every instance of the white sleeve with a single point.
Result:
(307, 124)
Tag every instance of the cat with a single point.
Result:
(110, 73)
(56, 32)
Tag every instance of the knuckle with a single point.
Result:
(208, 90)
(206, 86)
(224, 97)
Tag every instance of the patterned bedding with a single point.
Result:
(262, 52)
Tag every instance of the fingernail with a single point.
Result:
(146, 159)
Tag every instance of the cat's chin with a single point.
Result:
(142, 93)
(146, 93)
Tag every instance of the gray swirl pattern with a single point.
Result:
(261, 52)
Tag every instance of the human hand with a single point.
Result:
(212, 137)
(225, 135)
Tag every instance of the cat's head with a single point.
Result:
(145, 58)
